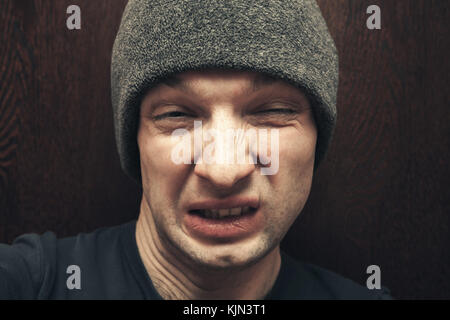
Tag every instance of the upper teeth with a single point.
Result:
(220, 213)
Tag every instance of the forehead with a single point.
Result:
(237, 81)
(217, 75)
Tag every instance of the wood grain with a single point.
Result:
(381, 196)
(59, 166)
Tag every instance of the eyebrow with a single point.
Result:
(260, 81)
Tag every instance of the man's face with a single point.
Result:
(182, 197)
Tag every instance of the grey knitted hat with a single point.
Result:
(286, 39)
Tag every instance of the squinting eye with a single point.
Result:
(173, 114)
(278, 110)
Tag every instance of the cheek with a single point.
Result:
(292, 184)
(155, 154)
(160, 175)
(297, 151)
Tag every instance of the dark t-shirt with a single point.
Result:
(110, 267)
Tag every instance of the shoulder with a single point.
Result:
(33, 247)
(22, 265)
(301, 280)
(94, 242)
(33, 266)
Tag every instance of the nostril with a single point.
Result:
(224, 175)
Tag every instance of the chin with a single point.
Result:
(222, 256)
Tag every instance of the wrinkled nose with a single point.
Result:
(223, 176)
(223, 170)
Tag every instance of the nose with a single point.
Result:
(223, 171)
(223, 176)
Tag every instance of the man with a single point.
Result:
(183, 73)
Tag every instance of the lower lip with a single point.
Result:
(229, 228)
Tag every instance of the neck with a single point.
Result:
(176, 277)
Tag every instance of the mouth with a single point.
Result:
(223, 221)
(223, 214)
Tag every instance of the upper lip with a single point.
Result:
(226, 203)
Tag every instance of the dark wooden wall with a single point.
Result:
(381, 197)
